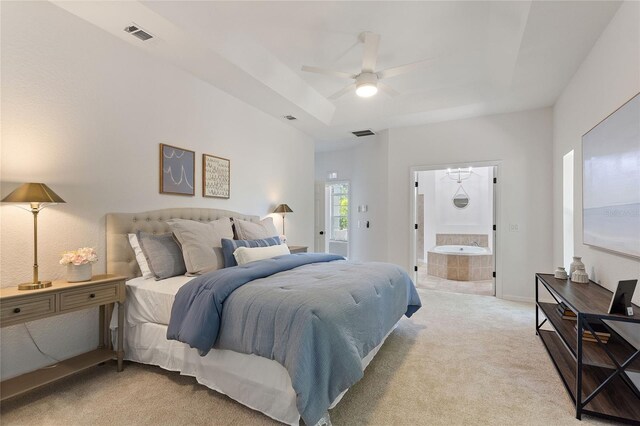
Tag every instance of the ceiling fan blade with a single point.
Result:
(338, 74)
(370, 55)
(392, 72)
(342, 91)
(387, 89)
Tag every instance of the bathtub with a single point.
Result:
(461, 250)
(460, 262)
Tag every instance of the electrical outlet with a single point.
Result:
(513, 227)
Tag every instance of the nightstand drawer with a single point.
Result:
(87, 297)
(23, 310)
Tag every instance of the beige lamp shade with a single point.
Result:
(282, 209)
(33, 193)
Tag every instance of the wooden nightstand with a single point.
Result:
(20, 306)
(298, 249)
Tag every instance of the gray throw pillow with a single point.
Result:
(163, 254)
(246, 230)
(201, 243)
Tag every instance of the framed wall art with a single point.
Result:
(177, 170)
(611, 181)
(216, 176)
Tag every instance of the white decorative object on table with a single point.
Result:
(577, 262)
(79, 263)
(580, 275)
(78, 273)
(561, 273)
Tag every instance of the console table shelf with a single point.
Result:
(594, 373)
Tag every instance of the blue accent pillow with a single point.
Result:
(229, 246)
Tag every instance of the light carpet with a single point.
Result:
(460, 360)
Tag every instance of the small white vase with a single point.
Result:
(577, 262)
(580, 276)
(78, 273)
(560, 273)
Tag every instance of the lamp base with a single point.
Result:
(34, 286)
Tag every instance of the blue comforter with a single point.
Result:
(315, 314)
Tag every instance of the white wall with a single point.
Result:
(84, 112)
(522, 142)
(567, 209)
(365, 167)
(608, 77)
(442, 217)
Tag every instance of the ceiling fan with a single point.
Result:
(367, 82)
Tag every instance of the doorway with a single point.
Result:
(332, 217)
(455, 235)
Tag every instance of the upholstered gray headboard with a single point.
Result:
(120, 257)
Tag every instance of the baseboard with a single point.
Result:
(518, 298)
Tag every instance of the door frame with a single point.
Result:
(497, 214)
(320, 199)
(327, 213)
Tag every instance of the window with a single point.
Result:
(339, 211)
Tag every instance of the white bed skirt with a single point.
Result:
(256, 382)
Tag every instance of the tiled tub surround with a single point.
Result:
(460, 267)
(462, 239)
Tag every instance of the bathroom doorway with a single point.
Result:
(455, 236)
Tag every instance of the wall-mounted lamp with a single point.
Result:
(283, 209)
(39, 196)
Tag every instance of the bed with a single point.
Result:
(258, 382)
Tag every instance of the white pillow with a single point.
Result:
(142, 260)
(246, 230)
(251, 254)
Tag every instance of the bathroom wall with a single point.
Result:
(442, 217)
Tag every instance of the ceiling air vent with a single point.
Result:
(290, 117)
(361, 133)
(138, 32)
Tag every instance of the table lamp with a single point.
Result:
(283, 209)
(38, 195)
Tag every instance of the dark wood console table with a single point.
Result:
(596, 374)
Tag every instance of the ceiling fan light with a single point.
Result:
(366, 90)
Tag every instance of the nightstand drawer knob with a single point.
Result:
(16, 311)
(92, 295)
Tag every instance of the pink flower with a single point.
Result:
(82, 256)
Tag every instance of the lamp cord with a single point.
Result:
(38, 347)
